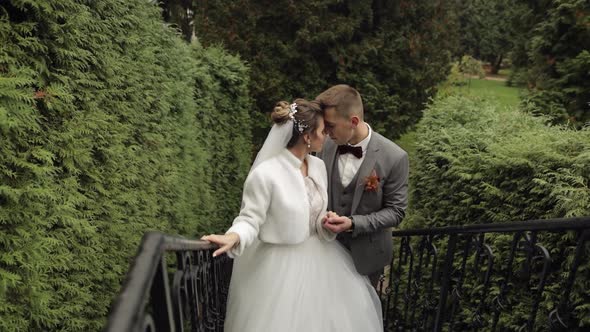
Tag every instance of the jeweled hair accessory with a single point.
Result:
(297, 123)
(293, 110)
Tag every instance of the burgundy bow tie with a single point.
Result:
(356, 151)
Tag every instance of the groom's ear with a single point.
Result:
(355, 121)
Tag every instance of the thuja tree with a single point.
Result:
(488, 30)
(551, 57)
(393, 52)
(476, 164)
(110, 126)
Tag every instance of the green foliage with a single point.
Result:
(471, 66)
(553, 58)
(455, 78)
(224, 132)
(110, 126)
(475, 164)
(487, 30)
(461, 74)
(395, 53)
(498, 166)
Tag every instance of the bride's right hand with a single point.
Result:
(330, 214)
(226, 242)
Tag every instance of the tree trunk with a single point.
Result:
(496, 65)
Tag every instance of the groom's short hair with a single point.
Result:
(346, 99)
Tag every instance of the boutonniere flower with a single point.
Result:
(372, 182)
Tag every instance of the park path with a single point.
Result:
(495, 78)
(491, 78)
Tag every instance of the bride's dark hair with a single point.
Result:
(306, 117)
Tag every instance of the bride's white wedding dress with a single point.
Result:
(311, 286)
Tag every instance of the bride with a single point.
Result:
(289, 275)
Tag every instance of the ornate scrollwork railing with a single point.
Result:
(492, 277)
(188, 295)
(520, 276)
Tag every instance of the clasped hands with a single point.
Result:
(335, 223)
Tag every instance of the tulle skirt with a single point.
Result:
(308, 287)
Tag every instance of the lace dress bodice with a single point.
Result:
(315, 203)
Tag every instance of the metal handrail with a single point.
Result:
(519, 226)
(148, 278)
(440, 260)
(195, 295)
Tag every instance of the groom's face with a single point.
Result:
(339, 128)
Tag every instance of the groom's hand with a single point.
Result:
(337, 224)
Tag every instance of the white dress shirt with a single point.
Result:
(348, 164)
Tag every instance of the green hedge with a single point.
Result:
(110, 126)
(476, 163)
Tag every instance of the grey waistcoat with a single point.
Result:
(342, 200)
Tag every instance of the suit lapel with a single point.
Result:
(367, 166)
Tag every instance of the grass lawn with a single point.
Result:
(496, 90)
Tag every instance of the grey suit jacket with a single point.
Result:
(374, 212)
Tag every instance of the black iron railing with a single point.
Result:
(160, 295)
(493, 277)
(525, 276)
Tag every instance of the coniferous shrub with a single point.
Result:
(475, 164)
(551, 56)
(110, 126)
(478, 164)
(394, 52)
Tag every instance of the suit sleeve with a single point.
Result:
(255, 203)
(395, 201)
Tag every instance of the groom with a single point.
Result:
(367, 182)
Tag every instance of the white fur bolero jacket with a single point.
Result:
(275, 206)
